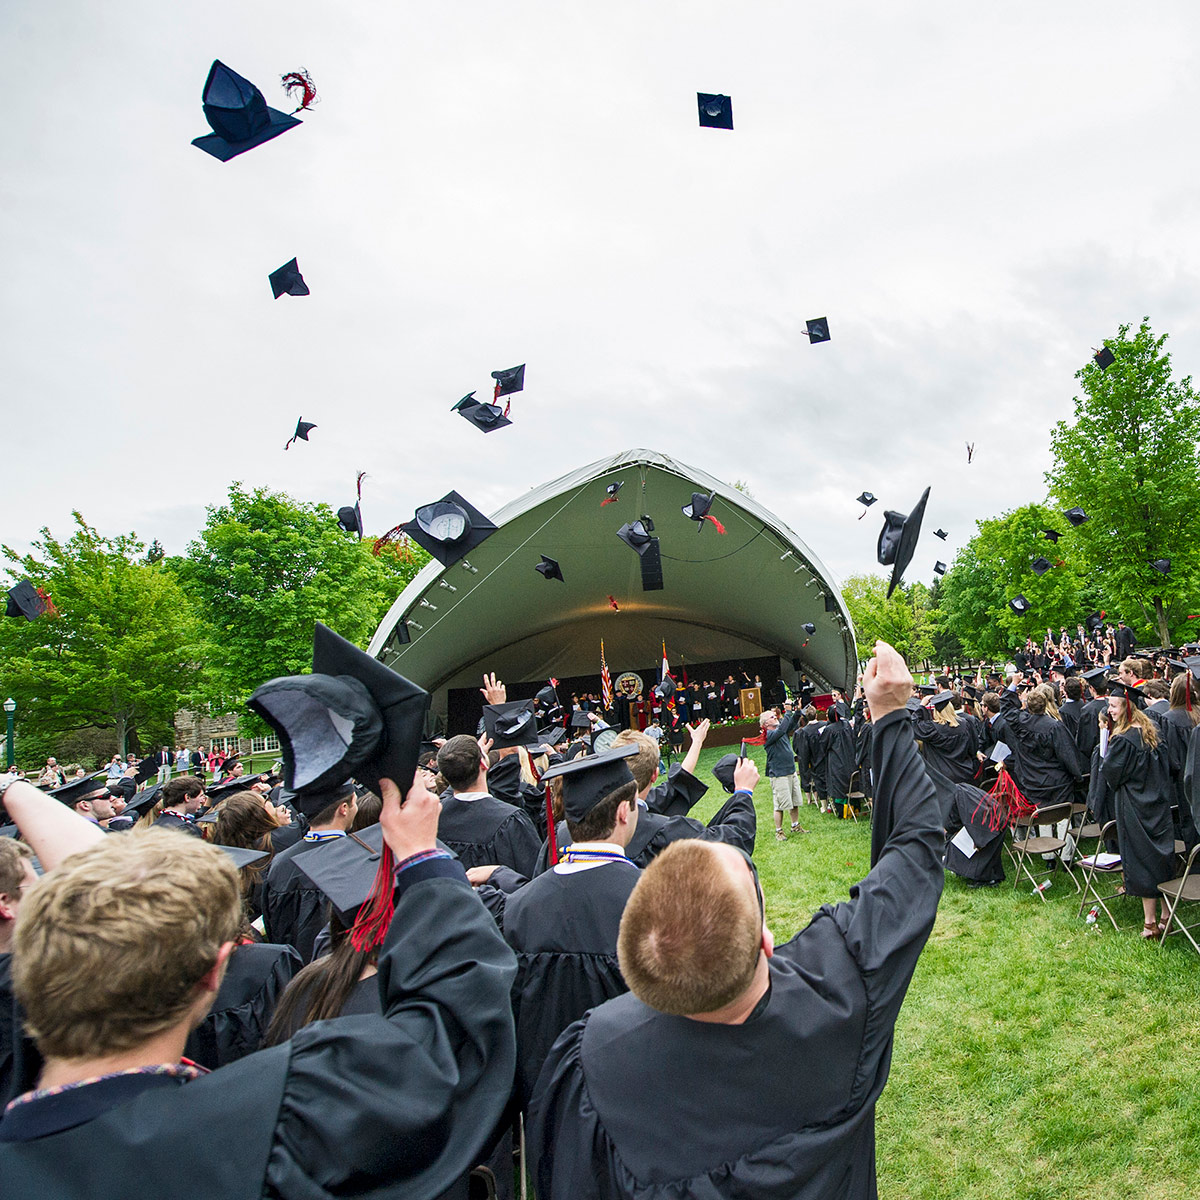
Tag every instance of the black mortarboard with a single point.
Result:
(1076, 516)
(809, 628)
(817, 330)
(940, 533)
(610, 492)
(75, 790)
(449, 528)
(942, 699)
(664, 689)
(1094, 622)
(1128, 691)
(1104, 358)
(1051, 535)
(553, 736)
(1019, 605)
(144, 800)
(303, 429)
(970, 691)
(926, 689)
(898, 539)
(510, 724)
(1192, 663)
(351, 717)
(723, 769)
(344, 870)
(1161, 565)
(238, 115)
(636, 535)
(512, 380)
(1041, 565)
(350, 519)
(487, 417)
(242, 857)
(24, 600)
(548, 568)
(698, 510)
(716, 111)
(939, 567)
(586, 781)
(579, 720)
(145, 769)
(288, 281)
(546, 697)
(867, 499)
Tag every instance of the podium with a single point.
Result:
(751, 702)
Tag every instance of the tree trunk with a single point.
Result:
(1164, 634)
(121, 731)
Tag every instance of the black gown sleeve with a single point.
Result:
(677, 794)
(517, 844)
(404, 1102)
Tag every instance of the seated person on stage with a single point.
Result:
(735, 1068)
(370, 1105)
(474, 824)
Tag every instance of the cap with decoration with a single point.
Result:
(509, 381)
(898, 539)
(1076, 516)
(1104, 358)
(588, 780)
(610, 492)
(698, 510)
(817, 330)
(303, 429)
(238, 115)
(25, 600)
(485, 417)
(510, 724)
(449, 528)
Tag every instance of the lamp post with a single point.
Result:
(10, 708)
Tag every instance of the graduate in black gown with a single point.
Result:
(949, 747)
(818, 754)
(1176, 728)
(977, 860)
(1047, 762)
(1137, 779)
(734, 1067)
(563, 924)
(840, 758)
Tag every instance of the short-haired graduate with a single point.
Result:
(734, 1067)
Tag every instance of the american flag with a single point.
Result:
(606, 692)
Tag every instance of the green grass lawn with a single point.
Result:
(1033, 1058)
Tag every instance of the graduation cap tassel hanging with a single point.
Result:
(371, 925)
(303, 429)
(300, 82)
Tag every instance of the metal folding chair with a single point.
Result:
(1026, 844)
(1184, 890)
(1104, 864)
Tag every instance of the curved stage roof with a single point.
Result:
(739, 596)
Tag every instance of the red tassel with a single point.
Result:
(300, 81)
(507, 406)
(551, 839)
(717, 524)
(496, 393)
(49, 609)
(614, 604)
(608, 500)
(361, 476)
(371, 925)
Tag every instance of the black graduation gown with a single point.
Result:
(245, 1003)
(294, 909)
(1087, 736)
(818, 754)
(505, 783)
(800, 750)
(1071, 712)
(637, 1103)
(1176, 729)
(563, 929)
(390, 1106)
(676, 795)
(949, 755)
(1048, 763)
(1138, 780)
(734, 822)
(840, 758)
(862, 755)
(969, 810)
(488, 830)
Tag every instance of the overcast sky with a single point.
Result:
(974, 195)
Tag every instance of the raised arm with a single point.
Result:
(53, 830)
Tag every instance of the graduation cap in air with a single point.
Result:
(548, 568)
(351, 717)
(588, 780)
(486, 417)
(939, 567)
(238, 115)
(610, 492)
(1051, 535)
(716, 111)
(24, 600)
(546, 697)
(449, 528)
(636, 535)
(1104, 358)
(512, 380)
(817, 330)
(1041, 565)
(866, 500)
(940, 533)
(1094, 621)
(303, 429)
(1161, 565)
(1019, 605)
(579, 720)
(698, 511)
(809, 628)
(77, 790)
(898, 539)
(1076, 516)
(350, 518)
(510, 724)
(288, 281)
(241, 857)
(146, 768)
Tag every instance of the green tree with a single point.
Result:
(904, 621)
(265, 569)
(1129, 459)
(995, 566)
(121, 650)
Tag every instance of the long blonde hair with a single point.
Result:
(1047, 694)
(1131, 716)
(945, 715)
